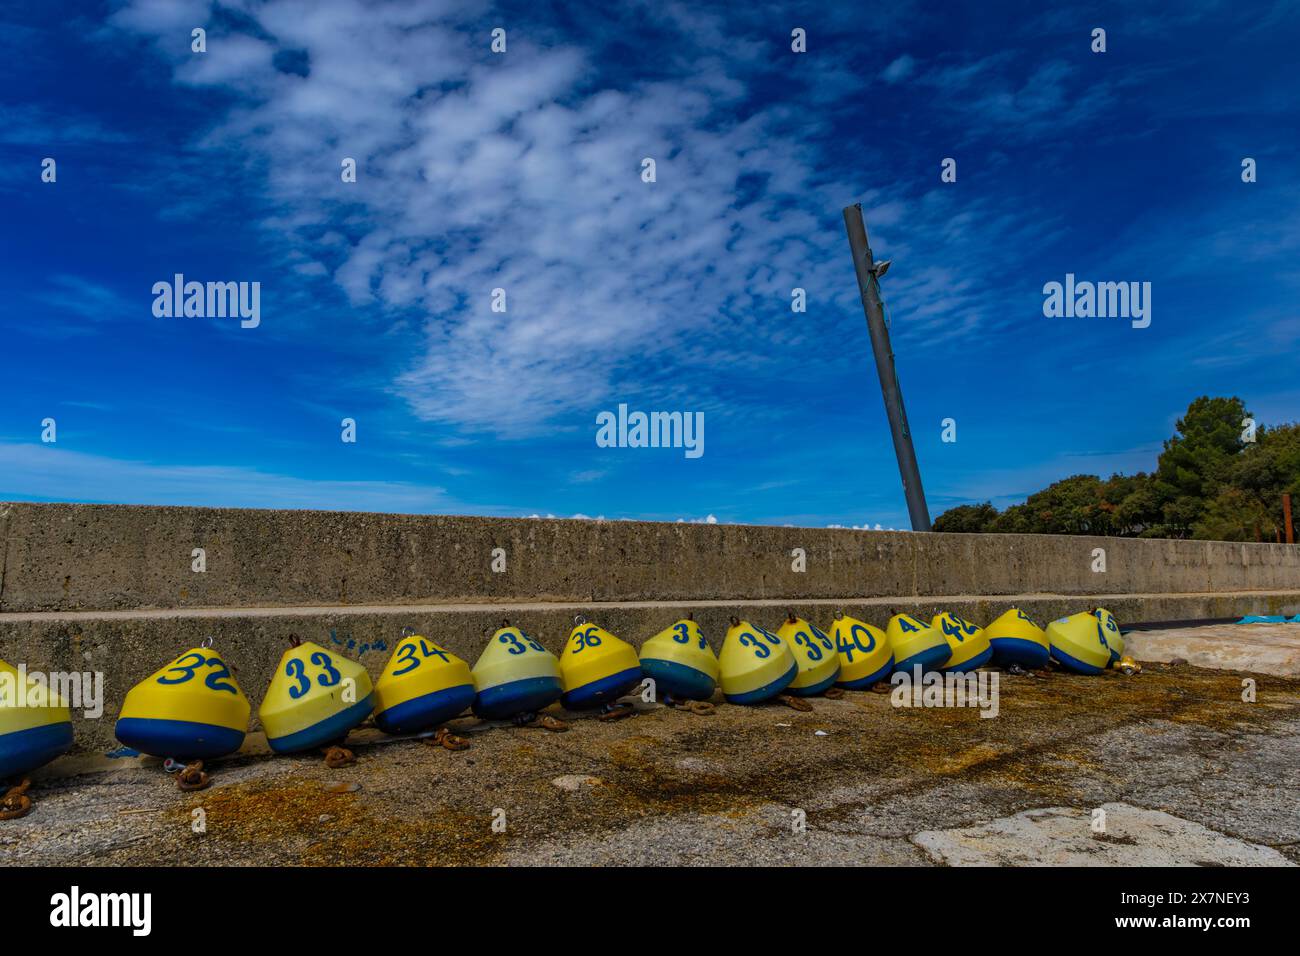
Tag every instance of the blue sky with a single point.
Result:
(522, 171)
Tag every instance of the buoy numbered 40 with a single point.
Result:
(514, 675)
(314, 699)
(865, 655)
(814, 652)
(970, 648)
(755, 665)
(35, 723)
(596, 667)
(1016, 639)
(681, 662)
(1114, 639)
(916, 644)
(424, 685)
(1079, 643)
(190, 709)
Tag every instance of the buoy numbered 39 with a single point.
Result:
(814, 652)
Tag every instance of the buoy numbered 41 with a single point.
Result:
(814, 652)
(190, 709)
(314, 699)
(596, 667)
(424, 685)
(35, 723)
(755, 664)
(681, 662)
(916, 644)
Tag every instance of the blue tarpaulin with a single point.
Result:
(1269, 619)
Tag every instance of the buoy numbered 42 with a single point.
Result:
(814, 652)
(596, 667)
(970, 648)
(35, 723)
(1079, 643)
(314, 699)
(681, 662)
(424, 685)
(865, 655)
(190, 709)
(916, 644)
(755, 664)
(514, 675)
(1016, 639)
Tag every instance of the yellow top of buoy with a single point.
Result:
(26, 704)
(863, 650)
(682, 643)
(197, 687)
(753, 659)
(512, 655)
(311, 685)
(813, 651)
(418, 667)
(966, 640)
(592, 654)
(1079, 642)
(910, 638)
(1015, 624)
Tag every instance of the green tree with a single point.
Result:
(1196, 461)
(967, 518)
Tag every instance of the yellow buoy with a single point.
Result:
(814, 652)
(1114, 639)
(1079, 643)
(191, 709)
(596, 667)
(755, 664)
(314, 699)
(35, 723)
(680, 662)
(1016, 639)
(423, 686)
(514, 675)
(865, 656)
(970, 648)
(916, 644)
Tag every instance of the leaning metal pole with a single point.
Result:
(869, 288)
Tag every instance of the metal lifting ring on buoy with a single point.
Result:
(15, 802)
(408, 631)
(295, 640)
(207, 642)
(579, 620)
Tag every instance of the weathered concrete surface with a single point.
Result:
(70, 557)
(1065, 836)
(127, 646)
(677, 788)
(1259, 648)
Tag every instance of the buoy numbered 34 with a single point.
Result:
(424, 685)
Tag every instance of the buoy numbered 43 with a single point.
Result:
(681, 662)
(1079, 643)
(1016, 639)
(814, 652)
(314, 699)
(190, 709)
(424, 685)
(35, 723)
(755, 664)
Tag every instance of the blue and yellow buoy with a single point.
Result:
(423, 686)
(596, 667)
(1016, 639)
(755, 664)
(680, 662)
(1114, 639)
(191, 709)
(970, 648)
(515, 675)
(864, 652)
(814, 652)
(1079, 643)
(35, 724)
(916, 644)
(315, 698)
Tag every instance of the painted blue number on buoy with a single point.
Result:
(323, 661)
(907, 625)
(761, 650)
(328, 677)
(186, 670)
(823, 637)
(295, 670)
(214, 680)
(1101, 636)
(406, 654)
(952, 629)
(587, 638)
(847, 649)
(814, 652)
(683, 635)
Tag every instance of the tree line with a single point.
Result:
(1220, 477)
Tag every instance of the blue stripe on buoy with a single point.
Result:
(325, 731)
(1017, 650)
(814, 689)
(24, 750)
(979, 660)
(179, 739)
(427, 710)
(679, 680)
(602, 691)
(930, 659)
(1073, 663)
(862, 683)
(767, 690)
(517, 697)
